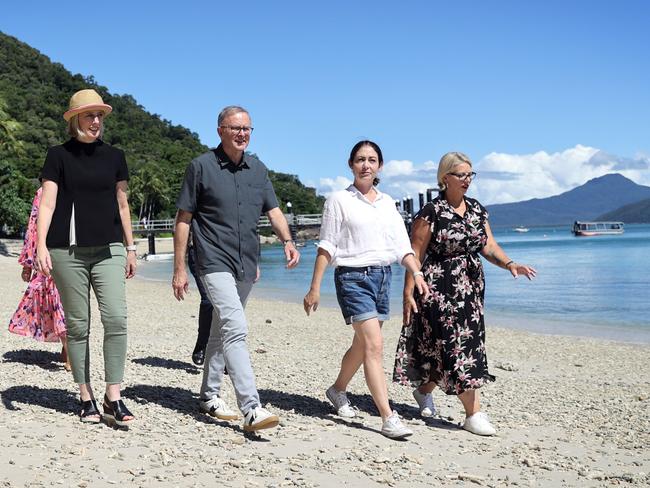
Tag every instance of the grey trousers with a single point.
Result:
(227, 343)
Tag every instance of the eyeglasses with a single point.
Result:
(235, 129)
(464, 176)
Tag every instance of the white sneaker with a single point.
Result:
(479, 424)
(425, 401)
(258, 418)
(216, 407)
(394, 428)
(341, 403)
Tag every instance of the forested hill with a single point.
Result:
(586, 202)
(634, 213)
(34, 93)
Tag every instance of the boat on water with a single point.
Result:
(521, 228)
(597, 228)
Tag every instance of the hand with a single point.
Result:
(292, 255)
(43, 261)
(180, 284)
(310, 303)
(409, 307)
(131, 264)
(422, 287)
(517, 269)
(258, 273)
(26, 275)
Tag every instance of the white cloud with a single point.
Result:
(397, 168)
(507, 178)
(329, 185)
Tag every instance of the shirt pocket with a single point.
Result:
(255, 194)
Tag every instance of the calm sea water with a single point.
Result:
(587, 286)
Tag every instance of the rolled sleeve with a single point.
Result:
(330, 228)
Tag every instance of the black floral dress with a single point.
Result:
(445, 341)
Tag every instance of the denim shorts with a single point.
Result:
(363, 293)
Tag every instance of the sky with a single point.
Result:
(541, 95)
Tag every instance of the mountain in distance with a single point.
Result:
(634, 213)
(586, 202)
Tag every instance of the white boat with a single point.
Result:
(521, 228)
(597, 228)
(165, 256)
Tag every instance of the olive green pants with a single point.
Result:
(75, 270)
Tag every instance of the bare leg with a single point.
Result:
(372, 342)
(64, 354)
(85, 394)
(471, 402)
(113, 394)
(350, 364)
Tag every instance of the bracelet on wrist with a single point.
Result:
(509, 263)
(288, 241)
(418, 273)
(132, 247)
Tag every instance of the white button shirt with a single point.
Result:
(357, 232)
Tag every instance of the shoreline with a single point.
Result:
(535, 325)
(570, 412)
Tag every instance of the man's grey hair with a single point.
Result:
(229, 110)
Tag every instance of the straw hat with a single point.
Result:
(85, 100)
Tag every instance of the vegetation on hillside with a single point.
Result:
(34, 93)
(634, 213)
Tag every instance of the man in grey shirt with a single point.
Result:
(222, 197)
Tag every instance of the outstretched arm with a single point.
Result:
(125, 217)
(45, 212)
(180, 284)
(281, 229)
(312, 298)
(497, 256)
(420, 237)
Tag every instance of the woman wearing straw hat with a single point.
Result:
(83, 223)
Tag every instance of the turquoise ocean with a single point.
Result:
(586, 286)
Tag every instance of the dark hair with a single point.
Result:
(373, 145)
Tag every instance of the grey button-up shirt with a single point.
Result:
(226, 201)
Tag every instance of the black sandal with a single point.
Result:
(89, 412)
(114, 412)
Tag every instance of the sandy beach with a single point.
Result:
(570, 412)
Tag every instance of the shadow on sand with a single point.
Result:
(47, 360)
(57, 399)
(168, 364)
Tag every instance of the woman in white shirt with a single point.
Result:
(361, 234)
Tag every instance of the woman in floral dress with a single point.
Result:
(39, 314)
(443, 337)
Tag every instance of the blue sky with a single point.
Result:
(541, 95)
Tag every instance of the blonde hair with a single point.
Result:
(447, 164)
(75, 131)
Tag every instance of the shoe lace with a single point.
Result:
(341, 398)
(394, 419)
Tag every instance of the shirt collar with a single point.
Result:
(224, 161)
(355, 191)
